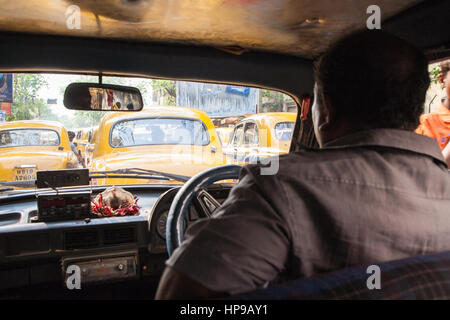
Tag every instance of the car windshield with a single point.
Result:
(28, 137)
(174, 137)
(158, 131)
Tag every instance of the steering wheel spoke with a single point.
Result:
(207, 202)
(194, 189)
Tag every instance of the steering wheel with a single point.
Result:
(195, 187)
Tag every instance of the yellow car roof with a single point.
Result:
(32, 124)
(159, 111)
(272, 117)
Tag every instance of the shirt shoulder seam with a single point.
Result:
(372, 185)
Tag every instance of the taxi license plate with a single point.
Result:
(24, 174)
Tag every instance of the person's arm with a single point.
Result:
(74, 149)
(446, 153)
(175, 285)
(242, 247)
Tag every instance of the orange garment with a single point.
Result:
(436, 125)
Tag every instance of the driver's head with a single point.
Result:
(368, 80)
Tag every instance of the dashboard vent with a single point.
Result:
(9, 218)
(119, 235)
(81, 239)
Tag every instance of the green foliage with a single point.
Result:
(434, 73)
(167, 90)
(27, 105)
(274, 100)
(82, 119)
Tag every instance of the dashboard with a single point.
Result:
(105, 249)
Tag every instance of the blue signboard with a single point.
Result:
(238, 90)
(6, 87)
(2, 115)
(217, 100)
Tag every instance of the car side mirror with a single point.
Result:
(102, 97)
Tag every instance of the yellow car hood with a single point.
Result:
(186, 161)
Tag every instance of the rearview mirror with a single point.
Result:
(102, 97)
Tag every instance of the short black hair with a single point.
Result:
(71, 135)
(374, 79)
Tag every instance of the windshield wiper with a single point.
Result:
(130, 173)
(138, 173)
(22, 184)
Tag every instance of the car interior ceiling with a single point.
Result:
(281, 70)
(302, 28)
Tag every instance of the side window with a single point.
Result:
(283, 130)
(250, 134)
(237, 135)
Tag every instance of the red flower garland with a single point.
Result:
(126, 209)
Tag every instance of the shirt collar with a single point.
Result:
(390, 138)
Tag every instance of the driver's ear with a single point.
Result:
(328, 114)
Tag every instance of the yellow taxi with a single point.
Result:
(175, 140)
(259, 136)
(31, 145)
(82, 142)
(90, 146)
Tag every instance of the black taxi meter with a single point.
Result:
(63, 205)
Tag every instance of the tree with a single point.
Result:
(272, 100)
(26, 104)
(86, 118)
(167, 90)
(434, 73)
